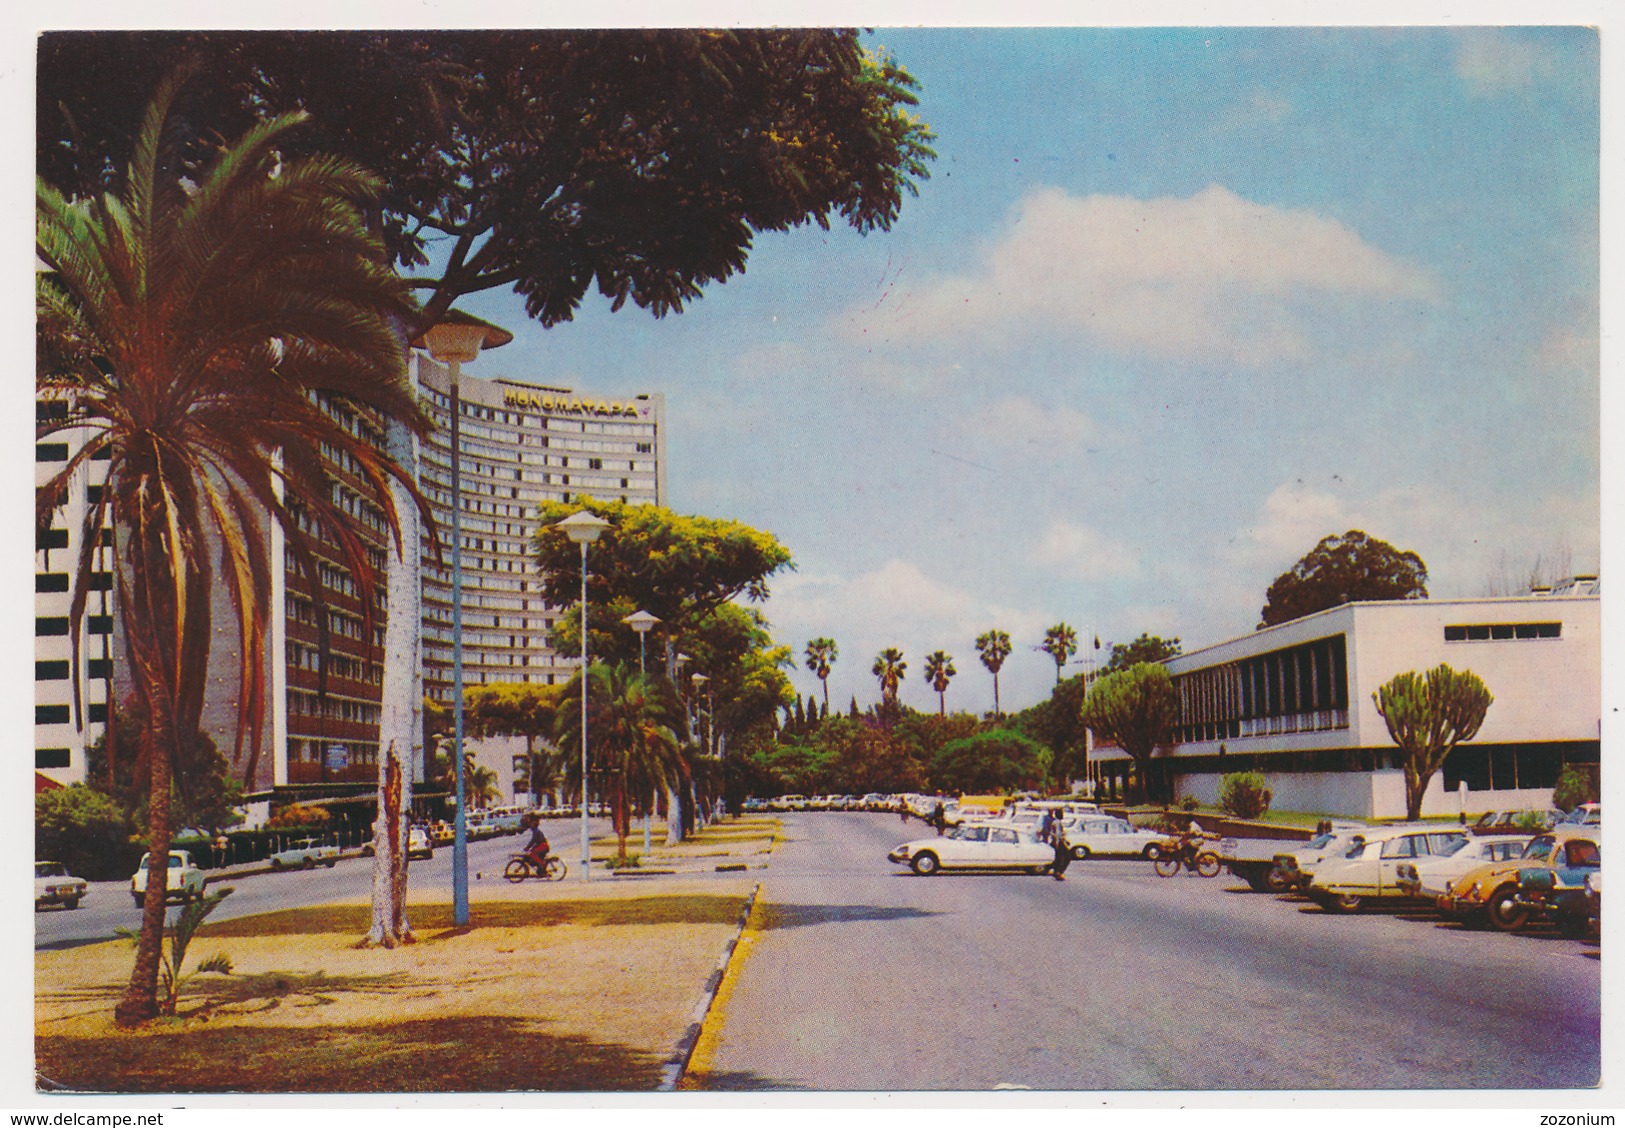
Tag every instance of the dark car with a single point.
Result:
(1557, 891)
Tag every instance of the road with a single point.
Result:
(858, 975)
(108, 904)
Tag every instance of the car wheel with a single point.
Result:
(1344, 902)
(1151, 852)
(1079, 853)
(1276, 882)
(1505, 913)
(140, 901)
(366, 851)
(925, 864)
(310, 863)
(276, 863)
(333, 862)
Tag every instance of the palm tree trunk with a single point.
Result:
(997, 712)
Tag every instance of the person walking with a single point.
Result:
(939, 819)
(1063, 852)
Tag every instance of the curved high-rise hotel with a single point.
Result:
(522, 444)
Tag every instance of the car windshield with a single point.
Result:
(1318, 842)
(1452, 848)
(1539, 848)
(50, 869)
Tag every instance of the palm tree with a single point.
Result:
(889, 668)
(820, 657)
(630, 739)
(939, 667)
(193, 328)
(480, 785)
(994, 647)
(1060, 643)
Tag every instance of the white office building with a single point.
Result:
(1295, 702)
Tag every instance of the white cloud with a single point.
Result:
(1211, 276)
(1083, 552)
(1490, 62)
(1021, 420)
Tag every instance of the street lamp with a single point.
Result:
(642, 621)
(583, 528)
(458, 337)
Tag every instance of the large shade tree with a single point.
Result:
(1135, 709)
(190, 325)
(1427, 716)
(1352, 568)
(641, 163)
(1146, 648)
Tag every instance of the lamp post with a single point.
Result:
(583, 528)
(456, 338)
(642, 621)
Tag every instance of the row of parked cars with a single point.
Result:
(1504, 880)
(1012, 840)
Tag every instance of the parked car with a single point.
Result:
(1295, 869)
(418, 844)
(1557, 891)
(1430, 877)
(1586, 814)
(54, 885)
(307, 853)
(976, 846)
(1515, 822)
(441, 833)
(755, 806)
(1490, 892)
(1369, 869)
(185, 881)
(1092, 834)
(874, 801)
(790, 803)
(1594, 901)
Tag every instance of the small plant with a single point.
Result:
(1190, 804)
(631, 861)
(1244, 795)
(297, 815)
(178, 936)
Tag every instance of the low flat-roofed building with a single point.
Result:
(1295, 701)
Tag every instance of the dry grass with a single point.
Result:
(552, 987)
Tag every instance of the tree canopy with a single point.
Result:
(1352, 568)
(1146, 648)
(639, 162)
(990, 762)
(1134, 709)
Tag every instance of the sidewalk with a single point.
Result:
(573, 985)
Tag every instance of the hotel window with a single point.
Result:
(50, 452)
(50, 671)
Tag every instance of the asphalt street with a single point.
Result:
(108, 904)
(859, 975)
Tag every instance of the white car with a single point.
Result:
(1369, 869)
(418, 844)
(307, 853)
(1092, 835)
(54, 885)
(976, 846)
(1296, 868)
(185, 881)
(1432, 877)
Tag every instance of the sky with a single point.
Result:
(1174, 305)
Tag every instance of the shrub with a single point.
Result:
(1576, 784)
(1244, 795)
(299, 815)
(1190, 803)
(85, 831)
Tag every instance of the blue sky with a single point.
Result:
(1175, 304)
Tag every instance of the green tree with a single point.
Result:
(1576, 784)
(1352, 568)
(821, 654)
(890, 669)
(1146, 648)
(1244, 794)
(1060, 643)
(994, 647)
(518, 709)
(203, 792)
(85, 830)
(1135, 709)
(939, 670)
(191, 329)
(1427, 716)
(642, 163)
(1057, 723)
(630, 739)
(993, 762)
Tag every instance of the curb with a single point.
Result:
(672, 1072)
